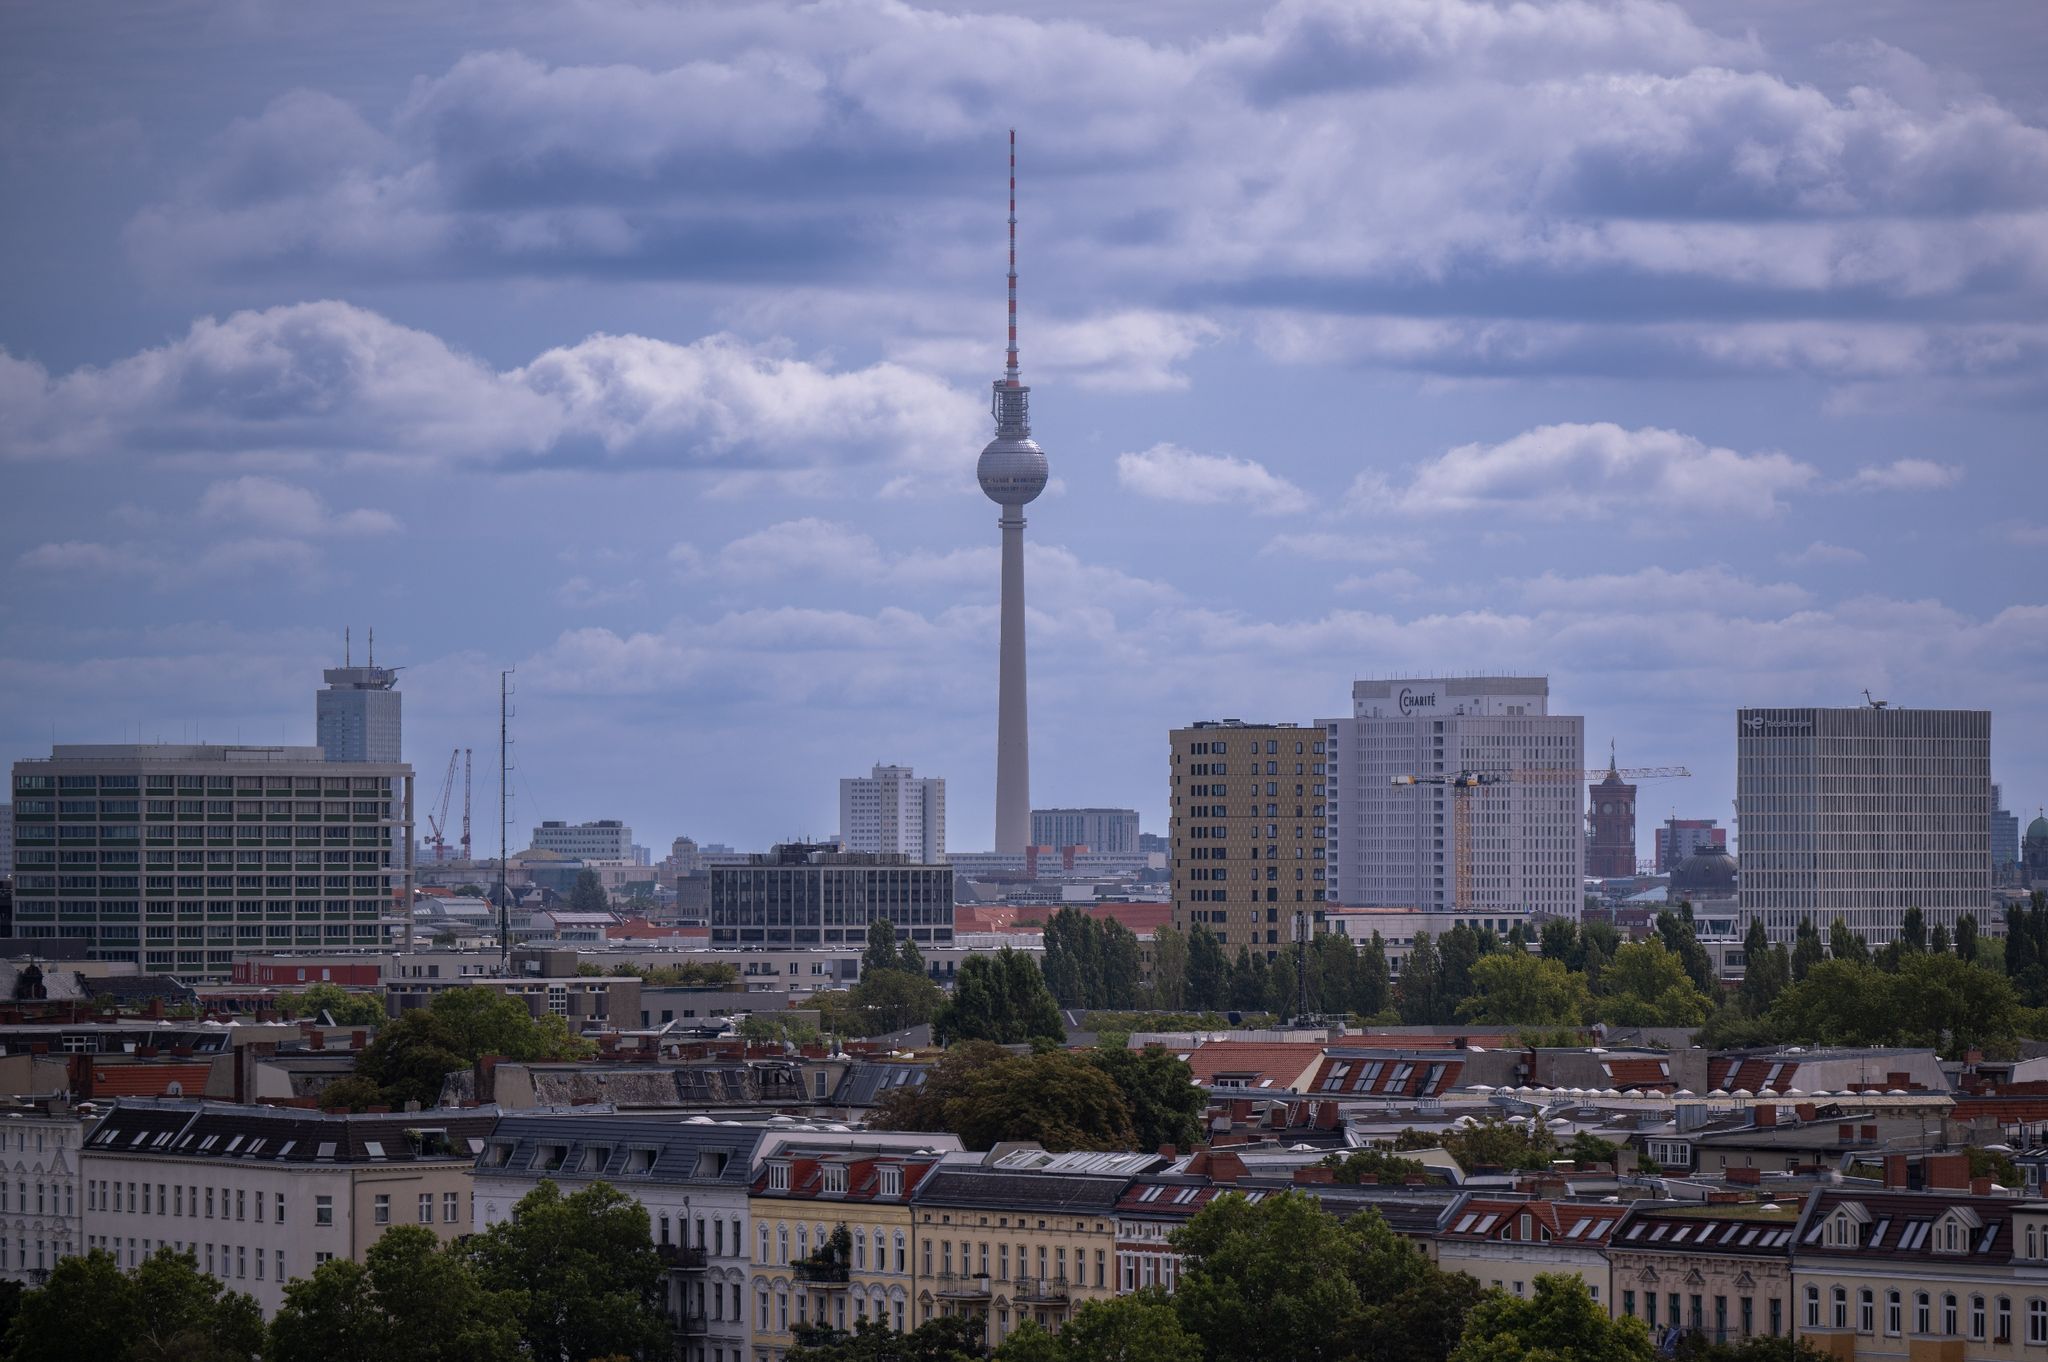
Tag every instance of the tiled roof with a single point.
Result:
(1566, 1224)
(1386, 1073)
(223, 1131)
(1066, 1193)
(1254, 1064)
(150, 1080)
(1745, 1230)
(622, 1150)
(1907, 1226)
(1627, 1072)
(863, 1175)
(1168, 1198)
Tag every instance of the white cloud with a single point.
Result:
(1820, 551)
(75, 556)
(582, 593)
(283, 508)
(1905, 475)
(1598, 469)
(1167, 472)
(1713, 589)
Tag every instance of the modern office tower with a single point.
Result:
(357, 717)
(892, 811)
(177, 857)
(1012, 472)
(1246, 804)
(607, 839)
(7, 840)
(1611, 821)
(1678, 838)
(1861, 814)
(803, 895)
(1396, 846)
(1108, 830)
(2005, 840)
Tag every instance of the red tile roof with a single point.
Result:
(1392, 1074)
(1569, 1224)
(149, 1080)
(1252, 1064)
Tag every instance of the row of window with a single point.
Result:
(1996, 1318)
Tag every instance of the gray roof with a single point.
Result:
(623, 1149)
(243, 1134)
(1067, 1193)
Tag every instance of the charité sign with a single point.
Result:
(1412, 701)
(1757, 723)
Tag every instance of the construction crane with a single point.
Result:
(437, 819)
(1462, 786)
(465, 806)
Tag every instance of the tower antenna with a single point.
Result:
(1010, 367)
(348, 647)
(504, 766)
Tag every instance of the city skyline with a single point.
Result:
(1743, 428)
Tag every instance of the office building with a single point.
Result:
(606, 840)
(1611, 826)
(1111, 831)
(260, 1195)
(2005, 840)
(892, 811)
(357, 717)
(1862, 813)
(1397, 846)
(803, 895)
(1246, 823)
(1678, 838)
(7, 841)
(176, 857)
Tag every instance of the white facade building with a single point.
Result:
(893, 811)
(41, 1200)
(1397, 845)
(357, 718)
(1862, 813)
(1112, 831)
(607, 840)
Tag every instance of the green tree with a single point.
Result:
(1839, 1002)
(410, 1300)
(1166, 1105)
(1941, 1000)
(1966, 937)
(166, 1310)
(1557, 1322)
(1208, 974)
(1494, 1142)
(1460, 950)
(891, 1000)
(1073, 959)
(1807, 949)
(586, 894)
(1002, 998)
(1169, 968)
(1420, 994)
(413, 1053)
(946, 1338)
(880, 955)
(1248, 981)
(1646, 984)
(1136, 1328)
(1513, 988)
(1912, 937)
(1846, 943)
(1675, 930)
(347, 1009)
(1765, 972)
(582, 1271)
(1383, 1166)
(1375, 991)
(985, 1095)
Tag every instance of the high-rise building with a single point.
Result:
(893, 811)
(607, 840)
(1012, 472)
(1107, 830)
(7, 840)
(357, 717)
(1246, 804)
(1678, 838)
(1611, 822)
(177, 857)
(1861, 814)
(1396, 846)
(802, 895)
(2005, 840)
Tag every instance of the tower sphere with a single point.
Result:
(1012, 470)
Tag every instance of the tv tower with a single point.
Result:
(1012, 473)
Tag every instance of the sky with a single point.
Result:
(1693, 355)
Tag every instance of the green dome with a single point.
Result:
(2038, 828)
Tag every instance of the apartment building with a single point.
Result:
(41, 1206)
(1247, 826)
(893, 811)
(607, 840)
(176, 857)
(1502, 1242)
(1109, 831)
(1720, 1269)
(260, 1195)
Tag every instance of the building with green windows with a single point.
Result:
(178, 857)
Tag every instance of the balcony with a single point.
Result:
(1040, 1289)
(820, 1271)
(964, 1288)
(680, 1257)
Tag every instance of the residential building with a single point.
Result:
(1722, 1269)
(2005, 840)
(1611, 827)
(1503, 1241)
(1859, 814)
(1247, 825)
(177, 857)
(356, 719)
(41, 1197)
(1678, 838)
(1398, 927)
(804, 895)
(260, 1195)
(692, 1178)
(7, 841)
(607, 839)
(1112, 831)
(835, 1238)
(1397, 845)
(892, 811)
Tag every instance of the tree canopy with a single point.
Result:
(1091, 962)
(410, 1300)
(580, 1272)
(412, 1054)
(1001, 998)
(1557, 1322)
(166, 1310)
(985, 1095)
(347, 1008)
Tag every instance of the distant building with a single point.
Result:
(1247, 829)
(1108, 830)
(1862, 813)
(7, 841)
(892, 811)
(1611, 820)
(2033, 855)
(47, 1223)
(605, 840)
(803, 895)
(357, 717)
(1678, 838)
(2005, 840)
(177, 857)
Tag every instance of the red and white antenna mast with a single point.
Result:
(1010, 369)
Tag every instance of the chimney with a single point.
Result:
(1980, 1186)
(1806, 1111)
(1948, 1172)
(316, 1040)
(358, 1039)
(1743, 1177)
(1763, 1117)
(1897, 1175)
(487, 1078)
(1225, 1167)
(1167, 1151)
(1314, 1175)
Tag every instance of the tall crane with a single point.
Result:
(465, 807)
(1462, 786)
(437, 818)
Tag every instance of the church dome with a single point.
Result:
(2038, 829)
(1709, 873)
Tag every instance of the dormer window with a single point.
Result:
(1954, 1231)
(778, 1176)
(1844, 1229)
(835, 1179)
(892, 1181)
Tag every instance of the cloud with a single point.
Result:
(1333, 547)
(1167, 472)
(1656, 588)
(581, 593)
(332, 385)
(286, 509)
(1821, 552)
(74, 556)
(1905, 475)
(1598, 469)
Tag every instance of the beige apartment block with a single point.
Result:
(1247, 830)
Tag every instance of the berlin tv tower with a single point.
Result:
(1012, 473)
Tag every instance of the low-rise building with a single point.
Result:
(1721, 1269)
(260, 1195)
(1502, 1242)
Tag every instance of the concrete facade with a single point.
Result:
(357, 718)
(1105, 831)
(893, 811)
(1247, 825)
(607, 839)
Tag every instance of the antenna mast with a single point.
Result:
(1010, 367)
(504, 821)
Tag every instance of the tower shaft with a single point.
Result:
(1013, 724)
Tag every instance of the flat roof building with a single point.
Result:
(893, 811)
(805, 895)
(1109, 831)
(1247, 825)
(357, 717)
(607, 839)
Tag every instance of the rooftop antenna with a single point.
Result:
(1874, 704)
(347, 647)
(1010, 366)
(373, 646)
(504, 765)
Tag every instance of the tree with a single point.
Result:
(946, 1338)
(1380, 1165)
(1807, 950)
(910, 959)
(880, 954)
(1002, 998)
(166, 1310)
(985, 1095)
(891, 1000)
(1282, 1280)
(1846, 943)
(1166, 1105)
(1420, 994)
(1676, 932)
(1169, 968)
(1513, 988)
(415, 1052)
(410, 1300)
(1494, 1142)
(1646, 984)
(1375, 990)
(1208, 975)
(347, 1009)
(1912, 937)
(587, 894)
(581, 1271)
(1460, 950)
(1765, 973)
(1940, 998)
(1966, 937)
(1557, 1322)
(1248, 981)
(1135, 1328)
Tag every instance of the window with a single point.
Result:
(1812, 1307)
(1841, 1304)
(2037, 1321)
(1977, 1318)
(381, 1209)
(1866, 1311)
(1948, 1316)
(323, 1208)
(2004, 1320)
(426, 1208)
(1628, 1303)
(451, 1207)
(1893, 1314)
(1923, 1314)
